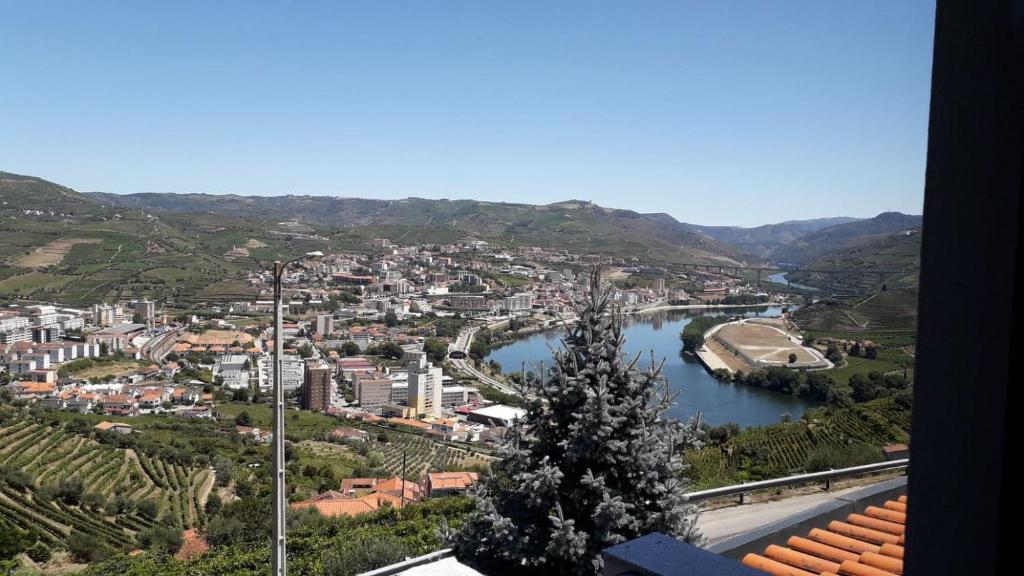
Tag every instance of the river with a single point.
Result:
(697, 391)
(780, 278)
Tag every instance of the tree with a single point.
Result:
(601, 466)
(149, 508)
(792, 358)
(833, 354)
(390, 319)
(70, 490)
(387, 350)
(435, 349)
(85, 548)
(166, 539)
(213, 504)
(350, 348)
(243, 419)
(225, 470)
(870, 352)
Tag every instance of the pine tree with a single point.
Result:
(594, 462)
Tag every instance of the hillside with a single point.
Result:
(59, 245)
(874, 315)
(761, 241)
(59, 483)
(27, 193)
(574, 225)
(899, 254)
(809, 247)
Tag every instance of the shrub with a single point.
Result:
(149, 508)
(85, 548)
(366, 552)
(39, 553)
(163, 538)
(94, 501)
(17, 479)
(213, 504)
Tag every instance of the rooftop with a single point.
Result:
(868, 544)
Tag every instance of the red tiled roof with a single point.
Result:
(451, 480)
(868, 544)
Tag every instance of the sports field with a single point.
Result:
(763, 343)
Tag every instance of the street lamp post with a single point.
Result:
(278, 485)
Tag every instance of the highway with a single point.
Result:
(464, 365)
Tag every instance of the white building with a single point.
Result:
(15, 329)
(107, 315)
(324, 324)
(425, 386)
(522, 302)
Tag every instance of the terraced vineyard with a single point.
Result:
(50, 455)
(878, 313)
(784, 448)
(423, 455)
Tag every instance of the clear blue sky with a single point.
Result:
(716, 112)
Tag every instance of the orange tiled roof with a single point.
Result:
(349, 484)
(337, 507)
(451, 480)
(396, 487)
(868, 544)
(37, 388)
(410, 423)
(377, 499)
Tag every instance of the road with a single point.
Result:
(723, 523)
(461, 344)
(156, 348)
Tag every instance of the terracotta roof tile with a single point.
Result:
(868, 544)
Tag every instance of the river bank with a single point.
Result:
(658, 331)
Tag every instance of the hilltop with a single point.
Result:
(809, 247)
(762, 241)
(574, 225)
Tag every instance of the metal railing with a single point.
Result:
(827, 476)
(400, 567)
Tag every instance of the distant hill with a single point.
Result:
(19, 193)
(578, 226)
(57, 244)
(899, 254)
(762, 241)
(807, 248)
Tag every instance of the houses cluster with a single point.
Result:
(116, 399)
(361, 495)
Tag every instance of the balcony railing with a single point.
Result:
(826, 476)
